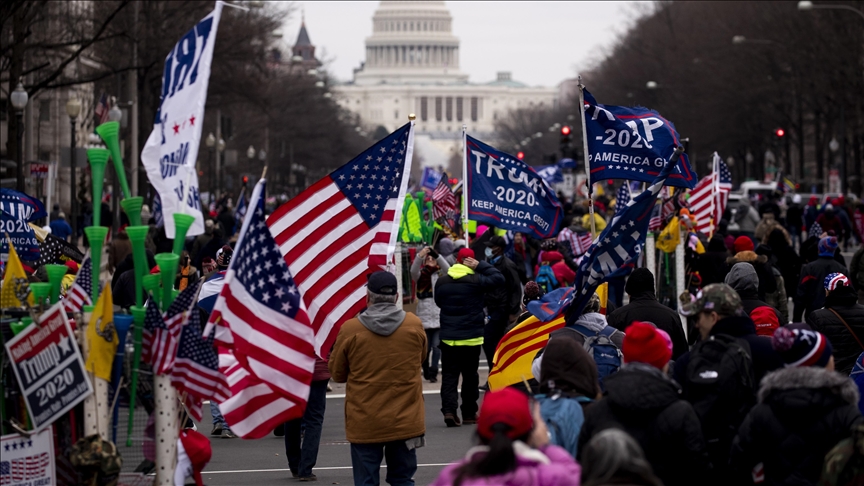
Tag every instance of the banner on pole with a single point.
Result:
(172, 148)
(505, 192)
(49, 368)
(430, 178)
(16, 211)
(27, 461)
(632, 143)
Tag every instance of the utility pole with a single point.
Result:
(132, 95)
(218, 155)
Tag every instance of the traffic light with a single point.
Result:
(779, 133)
(566, 144)
(453, 181)
(520, 155)
(245, 180)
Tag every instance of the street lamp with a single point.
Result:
(19, 102)
(250, 152)
(805, 5)
(652, 85)
(73, 109)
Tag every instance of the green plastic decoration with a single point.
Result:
(137, 235)
(98, 158)
(110, 133)
(55, 277)
(182, 223)
(96, 236)
(168, 271)
(132, 207)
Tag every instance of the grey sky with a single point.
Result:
(541, 43)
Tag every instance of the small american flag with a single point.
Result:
(261, 324)
(579, 241)
(656, 221)
(622, 197)
(342, 228)
(78, 294)
(162, 332)
(102, 108)
(708, 199)
(443, 200)
(196, 368)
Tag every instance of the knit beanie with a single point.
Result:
(827, 246)
(641, 280)
(834, 280)
(802, 347)
(743, 243)
(463, 254)
(643, 344)
(532, 292)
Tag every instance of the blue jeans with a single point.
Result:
(433, 338)
(302, 458)
(366, 462)
(217, 416)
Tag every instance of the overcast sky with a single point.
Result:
(541, 43)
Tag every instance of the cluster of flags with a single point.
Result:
(708, 199)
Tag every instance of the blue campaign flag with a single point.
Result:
(566, 163)
(614, 252)
(551, 304)
(550, 173)
(16, 211)
(505, 192)
(632, 143)
(430, 178)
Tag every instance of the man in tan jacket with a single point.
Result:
(378, 355)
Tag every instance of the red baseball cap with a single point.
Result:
(463, 254)
(507, 406)
(197, 447)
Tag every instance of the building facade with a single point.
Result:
(412, 66)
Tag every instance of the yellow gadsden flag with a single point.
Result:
(102, 337)
(670, 236)
(14, 282)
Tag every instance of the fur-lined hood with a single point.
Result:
(746, 256)
(812, 382)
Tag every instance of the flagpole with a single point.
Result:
(465, 185)
(586, 156)
(715, 183)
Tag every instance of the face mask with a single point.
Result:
(489, 253)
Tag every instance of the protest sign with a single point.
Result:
(27, 461)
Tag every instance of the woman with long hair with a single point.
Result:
(514, 448)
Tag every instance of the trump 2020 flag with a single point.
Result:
(505, 192)
(632, 143)
(615, 251)
(172, 149)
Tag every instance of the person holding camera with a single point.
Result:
(427, 267)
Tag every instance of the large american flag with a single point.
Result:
(708, 199)
(196, 368)
(162, 331)
(78, 294)
(342, 228)
(264, 334)
(443, 200)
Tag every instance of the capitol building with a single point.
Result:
(412, 66)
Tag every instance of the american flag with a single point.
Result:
(78, 294)
(622, 197)
(52, 250)
(262, 326)
(708, 199)
(196, 368)
(162, 331)
(656, 221)
(443, 200)
(342, 228)
(579, 241)
(102, 108)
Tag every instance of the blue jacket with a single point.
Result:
(60, 228)
(857, 376)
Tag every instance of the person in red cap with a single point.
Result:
(460, 294)
(743, 250)
(514, 448)
(643, 401)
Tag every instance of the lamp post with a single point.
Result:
(210, 141)
(73, 109)
(805, 5)
(19, 102)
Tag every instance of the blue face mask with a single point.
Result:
(489, 254)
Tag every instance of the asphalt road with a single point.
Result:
(262, 462)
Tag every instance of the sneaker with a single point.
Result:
(484, 388)
(227, 434)
(310, 477)
(433, 379)
(452, 420)
(329, 388)
(217, 430)
(470, 421)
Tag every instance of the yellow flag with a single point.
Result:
(603, 292)
(670, 236)
(102, 337)
(517, 349)
(14, 281)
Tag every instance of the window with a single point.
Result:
(44, 111)
(424, 102)
(449, 108)
(474, 108)
(438, 108)
(459, 109)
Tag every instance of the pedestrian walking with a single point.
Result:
(303, 435)
(461, 295)
(378, 354)
(428, 266)
(841, 321)
(810, 295)
(743, 279)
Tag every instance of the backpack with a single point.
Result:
(564, 418)
(720, 385)
(605, 352)
(546, 278)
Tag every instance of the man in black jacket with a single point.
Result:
(503, 302)
(644, 307)
(841, 310)
(810, 293)
(461, 295)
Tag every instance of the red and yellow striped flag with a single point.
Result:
(517, 349)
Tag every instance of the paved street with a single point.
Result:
(262, 462)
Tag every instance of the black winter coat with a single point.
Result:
(811, 289)
(765, 359)
(644, 307)
(645, 403)
(505, 300)
(767, 284)
(846, 349)
(461, 301)
(802, 413)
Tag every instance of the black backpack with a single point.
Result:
(720, 385)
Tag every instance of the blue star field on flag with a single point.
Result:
(374, 176)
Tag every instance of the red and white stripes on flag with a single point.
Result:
(78, 294)
(102, 108)
(708, 199)
(443, 200)
(343, 228)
